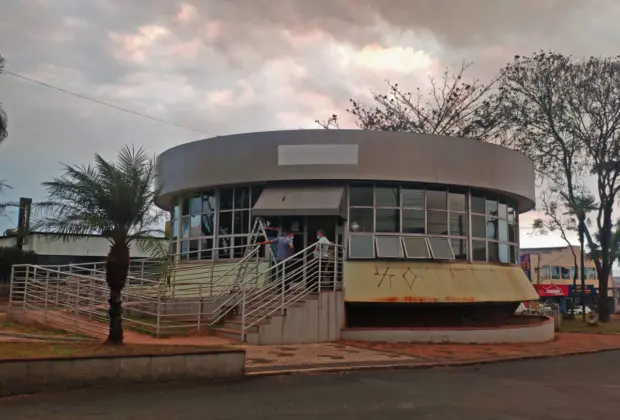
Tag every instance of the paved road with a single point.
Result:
(580, 387)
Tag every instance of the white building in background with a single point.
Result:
(87, 248)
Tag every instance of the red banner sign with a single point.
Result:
(548, 290)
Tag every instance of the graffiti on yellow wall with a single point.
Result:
(401, 281)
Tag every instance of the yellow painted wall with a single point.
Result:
(402, 281)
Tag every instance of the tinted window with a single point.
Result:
(478, 204)
(437, 222)
(416, 248)
(440, 248)
(456, 201)
(226, 199)
(363, 218)
(242, 197)
(387, 197)
(361, 246)
(436, 199)
(493, 250)
(387, 220)
(361, 195)
(458, 224)
(413, 221)
(459, 246)
(389, 247)
(479, 251)
(413, 198)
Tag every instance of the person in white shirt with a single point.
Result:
(321, 253)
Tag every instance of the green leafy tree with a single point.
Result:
(451, 106)
(113, 199)
(3, 120)
(564, 113)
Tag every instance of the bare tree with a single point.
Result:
(451, 107)
(3, 119)
(564, 113)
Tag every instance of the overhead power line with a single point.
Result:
(120, 108)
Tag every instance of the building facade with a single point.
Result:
(428, 223)
(552, 270)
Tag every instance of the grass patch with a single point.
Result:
(46, 350)
(7, 325)
(576, 325)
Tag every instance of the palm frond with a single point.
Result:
(113, 199)
(4, 185)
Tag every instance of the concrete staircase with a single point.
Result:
(317, 317)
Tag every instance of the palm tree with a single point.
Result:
(3, 120)
(113, 199)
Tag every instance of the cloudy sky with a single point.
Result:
(229, 66)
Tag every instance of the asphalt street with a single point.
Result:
(577, 387)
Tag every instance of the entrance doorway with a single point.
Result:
(326, 223)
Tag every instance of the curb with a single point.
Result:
(417, 365)
(48, 337)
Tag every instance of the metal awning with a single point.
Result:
(301, 201)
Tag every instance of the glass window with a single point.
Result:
(437, 222)
(185, 207)
(195, 205)
(413, 221)
(242, 221)
(389, 247)
(416, 247)
(478, 227)
(591, 271)
(441, 249)
(456, 201)
(361, 246)
(361, 220)
(566, 273)
(185, 223)
(413, 198)
(493, 250)
(387, 197)
(502, 211)
(240, 244)
(175, 228)
(194, 249)
(436, 199)
(195, 230)
(361, 195)
(224, 248)
(225, 225)
(491, 207)
(503, 230)
(555, 272)
(184, 249)
(173, 248)
(573, 271)
(206, 246)
(387, 220)
(492, 228)
(242, 197)
(226, 199)
(504, 253)
(207, 224)
(511, 214)
(479, 250)
(208, 202)
(458, 224)
(478, 204)
(459, 246)
(514, 254)
(256, 191)
(511, 233)
(544, 272)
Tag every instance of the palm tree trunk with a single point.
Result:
(117, 267)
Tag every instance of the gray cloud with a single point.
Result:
(242, 65)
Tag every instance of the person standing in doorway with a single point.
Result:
(285, 249)
(322, 257)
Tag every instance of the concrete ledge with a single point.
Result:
(529, 333)
(23, 376)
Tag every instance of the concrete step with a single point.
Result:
(236, 325)
(228, 333)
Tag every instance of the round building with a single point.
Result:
(429, 224)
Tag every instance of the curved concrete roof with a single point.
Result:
(344, 155)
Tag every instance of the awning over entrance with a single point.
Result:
(301, 201)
